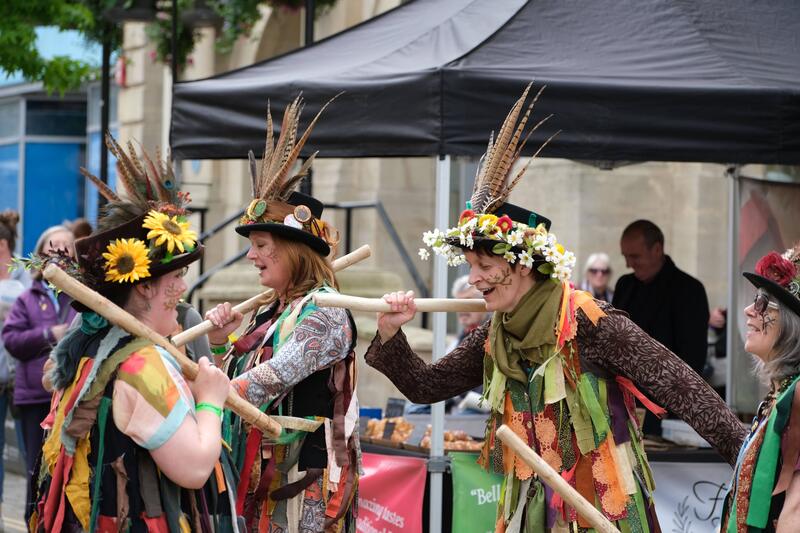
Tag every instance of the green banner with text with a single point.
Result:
(475, 495)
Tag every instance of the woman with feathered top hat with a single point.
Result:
(132, 446)
(294, 358)
(560, 368)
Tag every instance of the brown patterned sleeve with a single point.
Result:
(621, 347)
(453, 374)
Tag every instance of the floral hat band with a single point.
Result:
(515, 241)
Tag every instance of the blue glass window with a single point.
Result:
(54, 187)
(9, 176)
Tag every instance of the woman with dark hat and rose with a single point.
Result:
(132, 445)
(561, 369)
(293, 359)
(765, 491)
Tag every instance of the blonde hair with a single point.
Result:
(308, 270)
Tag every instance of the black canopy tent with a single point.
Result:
(632, 80)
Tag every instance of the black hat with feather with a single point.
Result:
(276, 206)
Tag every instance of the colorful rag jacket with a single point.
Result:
(576, 410)
(298, 363)
(97, 473)
(582, 422)
(765, 467)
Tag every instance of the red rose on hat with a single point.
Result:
(504, 223)
(774, 267)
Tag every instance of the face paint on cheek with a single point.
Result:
(173, 295)
(767, 322)
(502, 278)
(272, 254)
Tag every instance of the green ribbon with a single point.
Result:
(535, 513)
(767, 462)
(590, 400)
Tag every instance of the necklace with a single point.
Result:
(765, 407)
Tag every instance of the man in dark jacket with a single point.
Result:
(667, 303)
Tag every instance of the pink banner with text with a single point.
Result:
(390, 494)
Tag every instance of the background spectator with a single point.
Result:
(668, 304)
(596, 277)
(37, 321)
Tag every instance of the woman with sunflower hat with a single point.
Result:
(764, 495)
(131, 445)
(560, 368)
(294, 358)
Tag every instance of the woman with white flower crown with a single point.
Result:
(561, 369)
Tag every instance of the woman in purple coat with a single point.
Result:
(37, 321)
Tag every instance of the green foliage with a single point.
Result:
(18, 53)
(19, 19)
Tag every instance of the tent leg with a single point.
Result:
(732, 329)
(437, 461)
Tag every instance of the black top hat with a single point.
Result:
(522, 215)
(779, 275)
(303, 224)
(515, 213)
(95, 268)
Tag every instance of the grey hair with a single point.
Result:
(785, 361)
(597, 257)
(460, 285)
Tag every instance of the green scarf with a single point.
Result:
(529, 331)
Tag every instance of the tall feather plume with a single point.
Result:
(253, 173)
(275, 179)
(127, 175)
(102, 188)
(492, 185)
(145, 181)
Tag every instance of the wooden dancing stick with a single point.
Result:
(118, 316)
(547, 474)
(258, 300)
(424, 305)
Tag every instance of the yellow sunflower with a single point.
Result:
(126, 261)
(169, 230)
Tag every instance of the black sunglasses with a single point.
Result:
(600, 271)
(762, 302)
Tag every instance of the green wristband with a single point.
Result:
(221, 350)
(205, 406)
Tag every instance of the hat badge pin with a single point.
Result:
(301, 215)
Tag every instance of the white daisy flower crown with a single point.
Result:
(516, 242)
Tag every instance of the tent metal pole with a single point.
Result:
(437, 464)
(733, 278)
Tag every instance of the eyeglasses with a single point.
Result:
(604, 271)
(762, 302)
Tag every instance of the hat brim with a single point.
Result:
(786, 297)
(178, 262)
(289, 233)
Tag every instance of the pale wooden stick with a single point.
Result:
(547, 474)
(118, 316)
(378, 305)
(258, 300)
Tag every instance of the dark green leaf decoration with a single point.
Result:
(545, 268)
